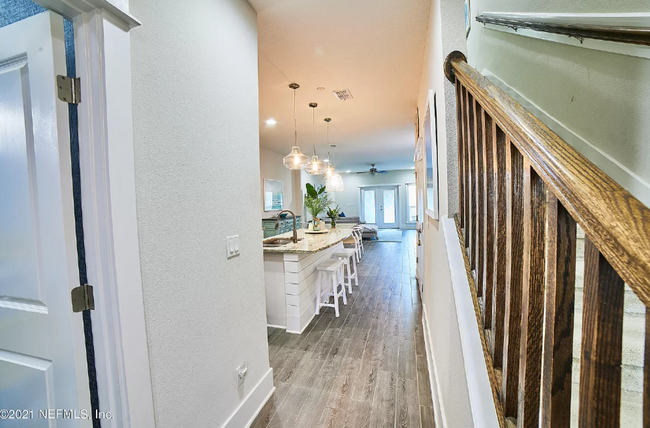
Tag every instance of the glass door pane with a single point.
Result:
(389, 206)
(369, 206)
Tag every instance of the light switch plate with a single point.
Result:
(232, 246)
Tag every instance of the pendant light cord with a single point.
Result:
(295, 121)
(313, 127)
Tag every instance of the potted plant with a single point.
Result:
(333, 214)
(316, 201)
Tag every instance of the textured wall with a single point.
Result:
(197, 171)
(445, 34)
(601, 96)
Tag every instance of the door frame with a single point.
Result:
(381, 187)
(102, 50)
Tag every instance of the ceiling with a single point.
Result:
(374, 48)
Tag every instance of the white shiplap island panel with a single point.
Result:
(291, 277)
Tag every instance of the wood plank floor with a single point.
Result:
(366, 368)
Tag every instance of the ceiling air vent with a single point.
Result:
(343, 95)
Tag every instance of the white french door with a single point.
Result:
(42, 347)
(379, 205)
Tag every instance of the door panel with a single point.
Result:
(389, 207)
(380, 205)
(369, 206)
(42, 348)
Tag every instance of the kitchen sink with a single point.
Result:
(278, 242)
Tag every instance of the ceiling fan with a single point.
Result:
(373, 171)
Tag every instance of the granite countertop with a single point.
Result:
(310, 243)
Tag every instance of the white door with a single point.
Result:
(42, 350)
(380, 206)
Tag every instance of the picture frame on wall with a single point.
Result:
(468, 18)
(430, 134)
(273, 195)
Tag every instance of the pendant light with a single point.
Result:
(296, 159)
(315, 165)
(334, 181)
(329, 169)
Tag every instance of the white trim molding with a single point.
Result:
(252, 405)
(438, 406)
(640, 19)
(70, 9)
(478, 382)
(102, 44)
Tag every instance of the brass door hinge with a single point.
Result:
(69, 89)
(82, 298)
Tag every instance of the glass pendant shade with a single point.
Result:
(296, 159)
(315, 166)
(334, 183)
(330, 171)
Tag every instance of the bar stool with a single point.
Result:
(346, 254)
(359, 230)
(332, 269)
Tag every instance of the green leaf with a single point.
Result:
(311, 191)
(321, 190)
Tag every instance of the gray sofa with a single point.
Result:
(369, 230)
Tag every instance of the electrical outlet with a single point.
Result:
(241, 372)
(232, 246)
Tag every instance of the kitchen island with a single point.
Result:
(291, 278)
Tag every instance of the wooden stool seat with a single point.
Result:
(333, 269)
(346, 254)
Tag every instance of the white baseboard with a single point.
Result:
(478, 381)
(251, 406)
(438, 407)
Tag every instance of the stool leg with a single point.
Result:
(355, 276)
(318, 291)
(347, 280)
(336, 296)
(345, 299)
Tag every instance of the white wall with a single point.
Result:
(196, 138)
(445, 34)
(272, 168)
(601, 96)
(348, 200)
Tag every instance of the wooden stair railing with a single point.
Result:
(523, 191)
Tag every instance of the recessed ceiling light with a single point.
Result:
(320, 88)
(348, 171)
(271, 122)
(412, 167)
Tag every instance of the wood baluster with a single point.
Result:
(472, 185)
(466, 167)
(480, 200)
(602, 342)
(646, 372)
(530, 364)
(514, 256)
(499, 250)
(559, 309)
(461, 169)
(488, 249)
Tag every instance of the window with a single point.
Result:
(412, 205)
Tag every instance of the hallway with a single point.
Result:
(366, 368)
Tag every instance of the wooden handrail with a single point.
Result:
(621, 34)
(617, 222)
(523, 194)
